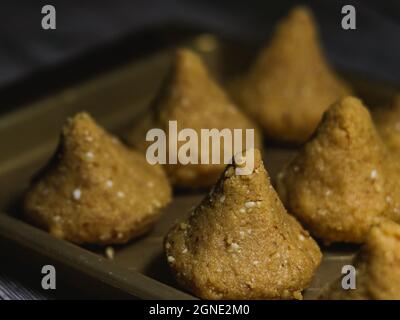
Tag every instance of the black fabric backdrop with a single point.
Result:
(26, 49)
(374, 48)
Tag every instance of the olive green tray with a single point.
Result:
(29, 136)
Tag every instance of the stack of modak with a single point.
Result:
(243, 241)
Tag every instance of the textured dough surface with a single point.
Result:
(377, 265)
(344, 180)
(192, 98)
(240, 243)
(95, 190)
(290, 84)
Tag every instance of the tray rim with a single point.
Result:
(86, 262)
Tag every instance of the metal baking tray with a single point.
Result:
(116, 99)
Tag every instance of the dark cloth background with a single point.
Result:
(373, 48)
(26, 49)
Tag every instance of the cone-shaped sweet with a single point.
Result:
(192, 98)
(240, 243)
(343, 180)
(95, 190)
(377, 266)
(387, 121)
(290, 84)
